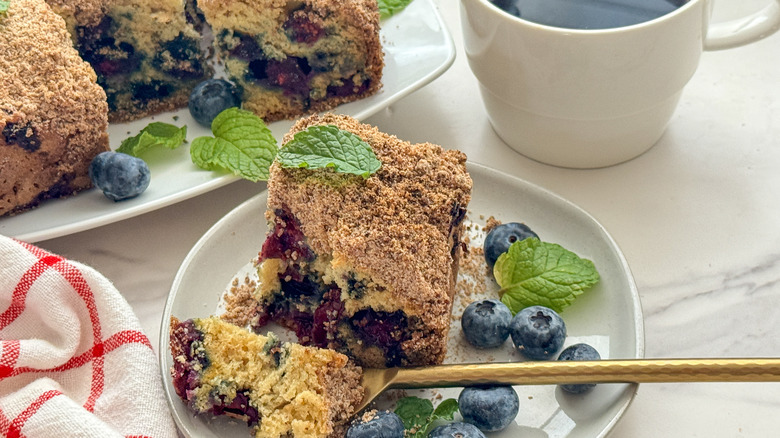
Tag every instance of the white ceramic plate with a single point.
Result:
(418, 48)
(609, 316)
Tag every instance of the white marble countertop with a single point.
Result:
(697, 217)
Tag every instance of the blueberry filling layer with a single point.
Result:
(314, 317)
(293, 75)
(113, 60)
(286, 239)
(186, 374)
(133, 76)
(386, 330)
(314, 310)
(180, 58)
(108, 56)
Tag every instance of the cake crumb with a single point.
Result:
(490, 224)
(368, 416)
(240, 304)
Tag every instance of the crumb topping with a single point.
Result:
(240, 303)
(343, 390)
(81, 12)
(42, 76)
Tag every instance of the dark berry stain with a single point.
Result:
(385, 330)
(179, 58)
(291, 75)
(143, 92)
(348, 88)
(301, 29)
(107, 56)
(186, 378)
(23, 136)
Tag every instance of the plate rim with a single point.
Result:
(448, 52)
(636, 307)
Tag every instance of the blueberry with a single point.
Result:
(119, 176)
(500, 238)
(537, 332)
(485, 323)
(382, 424)
(291, 74)
(210, 98)
(490, 408)
(456, 430)
(579, 352)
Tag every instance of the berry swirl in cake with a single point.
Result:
(147, 53)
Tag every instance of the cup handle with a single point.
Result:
(744, 30)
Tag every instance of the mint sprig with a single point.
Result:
(533, 272)
(418, 414)
(327, 146)
(4, 5)
(153, 135)
(388, 8)
(242, 144)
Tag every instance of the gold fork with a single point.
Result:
(375, 380)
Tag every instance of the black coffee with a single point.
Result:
(589, 14)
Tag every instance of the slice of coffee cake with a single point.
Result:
(366, 266)
(280, 389)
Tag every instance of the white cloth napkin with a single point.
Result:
(74, 361)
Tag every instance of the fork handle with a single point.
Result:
(601, 371)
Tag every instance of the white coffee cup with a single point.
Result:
(592, 98)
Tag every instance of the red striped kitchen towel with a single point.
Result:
(75, 362)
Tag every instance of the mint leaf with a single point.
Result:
(446, 410)
(415, 413)
(154, 134)
(242, 144)
(325, 146)
(418, 414)
(4, 4)
(388, 8)
(533, 273)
